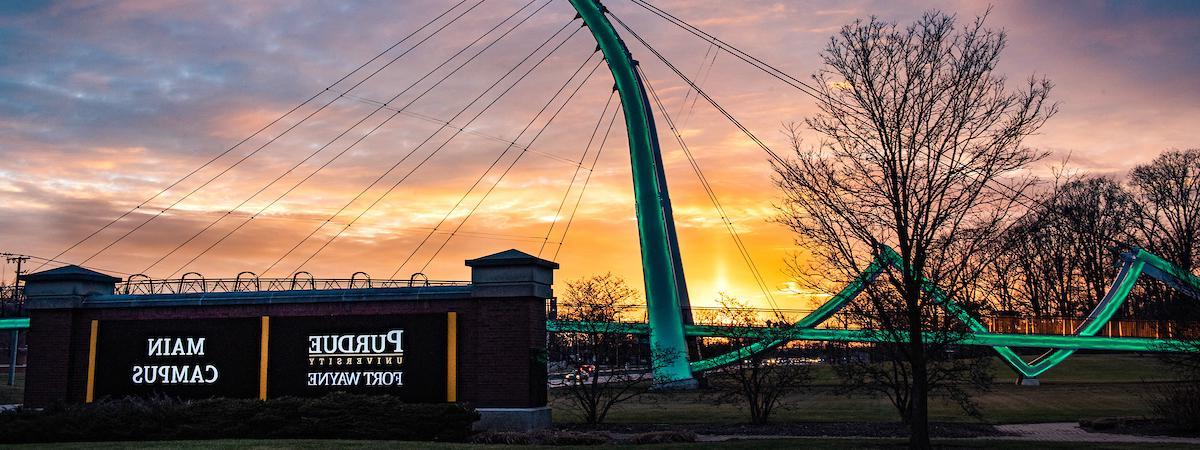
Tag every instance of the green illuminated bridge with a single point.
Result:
(1135, 263)
(666, 292)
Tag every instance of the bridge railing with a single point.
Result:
(195, 285)
(1064, 326)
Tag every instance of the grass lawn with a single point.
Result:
(1085, 386)
(12, 394)
(747, 444)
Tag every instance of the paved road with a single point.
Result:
(557, 380)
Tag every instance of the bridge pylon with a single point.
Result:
(666, 291)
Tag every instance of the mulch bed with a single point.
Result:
(836, 429)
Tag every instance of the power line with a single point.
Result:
(46, 261)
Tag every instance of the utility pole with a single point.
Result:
(20, 260)
(15, 335)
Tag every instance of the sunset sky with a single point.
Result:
(103, 104)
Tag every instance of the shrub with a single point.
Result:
(1179, 405)
(503, 437)
(566, 437)
(339, 415)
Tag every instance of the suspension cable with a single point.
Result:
(499, 157)
(712, 196)
(699, 71)
(273, 139)
(575, 174)
(509, 168)
(701, 76)
(435, 151)
(493, 236)
(477, 133)
(701, 92)
(811, 91)
(591, 170)
(713, 40)
(338, 137)
(256, 133)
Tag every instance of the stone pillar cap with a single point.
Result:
(69, 273)
(511, 273)
(511, 257)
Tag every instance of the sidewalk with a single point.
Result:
(1032, 432)
(1071, 432)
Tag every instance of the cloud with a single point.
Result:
(102, 105)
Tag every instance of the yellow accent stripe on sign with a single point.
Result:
(91, 373)
(262, 361)
(451, 357)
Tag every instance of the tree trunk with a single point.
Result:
(919, 399)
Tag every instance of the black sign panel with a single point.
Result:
(186, 358)
(401, 355)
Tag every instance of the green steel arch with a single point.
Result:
(666, 291)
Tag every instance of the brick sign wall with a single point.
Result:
(481, 343)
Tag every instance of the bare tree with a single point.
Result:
(605, 364)
(1061, 256)
(1031, 268)
(952, 371)
(1095, 212)
(1169, 192)
(920, 138)
(761, 381)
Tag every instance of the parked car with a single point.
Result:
(580, 374)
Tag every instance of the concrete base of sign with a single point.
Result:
(1029, 382)
(513, 419)
(677, 385)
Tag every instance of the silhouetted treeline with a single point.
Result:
(1060, 257)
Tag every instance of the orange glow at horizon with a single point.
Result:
(104, 107)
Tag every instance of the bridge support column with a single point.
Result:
(1023, 381)
(661, 268)
(14, 341)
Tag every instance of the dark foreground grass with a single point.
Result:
(1084, 387)
(1004, 404)
(738, 445)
